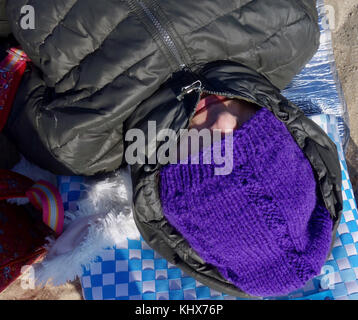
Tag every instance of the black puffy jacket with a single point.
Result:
(103, 67)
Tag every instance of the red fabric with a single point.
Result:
(13, 185)
(12, 69)
(22, 232)
(21, 241)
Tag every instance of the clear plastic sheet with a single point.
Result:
(317, 89)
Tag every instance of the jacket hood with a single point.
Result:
(241, 82)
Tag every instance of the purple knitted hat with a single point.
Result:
(261, 226)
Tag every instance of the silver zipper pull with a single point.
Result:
(195, 86)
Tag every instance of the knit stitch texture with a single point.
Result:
(262, 226)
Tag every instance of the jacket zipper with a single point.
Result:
(174, 51)
(198, 87)
(163, 33)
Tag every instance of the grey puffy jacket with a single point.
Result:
(103, 67)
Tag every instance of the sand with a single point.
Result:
(345, 42)
(70, 291)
